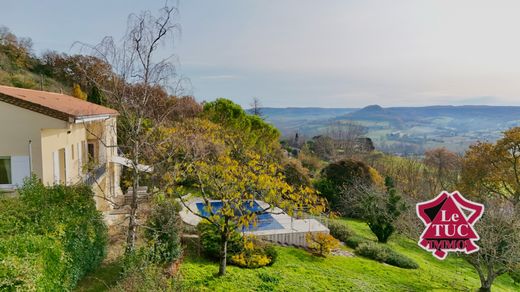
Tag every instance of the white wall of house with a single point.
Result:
(58, 150)
(54, 143)
(18, 126)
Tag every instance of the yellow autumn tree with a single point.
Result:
(493, 169)
(78, 93)
(237, 185)
(220, 168)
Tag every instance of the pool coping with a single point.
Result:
(289, 224)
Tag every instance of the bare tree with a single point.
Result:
(349, 131)
(136, 88)
(256, 107)
(348, 139)
(446, 166)
(323, 147)
(410, 173)
(499, 231)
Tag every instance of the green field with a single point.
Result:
(297, 270)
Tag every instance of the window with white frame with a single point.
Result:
(5, 170)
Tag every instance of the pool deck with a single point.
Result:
(292, 233)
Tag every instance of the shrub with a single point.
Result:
(70, 214)
(295, 174)
(255, 254)
(139, 274)
(63, 218)
(250, 260)
(162, 232)
(12, 218)
(384, 254)
(309, 160)
(134, 261)
(321, 243)
(354, 241)
(247, 252)
(338, 175)
(340, 231)
(399, 260)
(271, 252)
(22, 81)
(382, 211)
(31, 262)
(210, 241)
(515, 275)
(373, 251)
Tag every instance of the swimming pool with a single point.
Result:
(264, 220)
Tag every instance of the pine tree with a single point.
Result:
(382, 210)
(95, 96)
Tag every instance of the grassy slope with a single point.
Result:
(27, 79)
(296, 270)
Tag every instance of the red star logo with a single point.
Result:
(449, 220)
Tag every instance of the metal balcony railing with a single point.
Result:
(94, 175)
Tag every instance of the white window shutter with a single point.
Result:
(80, 157)
(67, 165)
(56, 165)
(20, 169)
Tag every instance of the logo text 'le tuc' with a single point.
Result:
(449, 220)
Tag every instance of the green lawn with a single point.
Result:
(102, 279)
(296, 270)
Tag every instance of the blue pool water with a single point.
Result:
(264, 220)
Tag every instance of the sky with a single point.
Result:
(303, 53)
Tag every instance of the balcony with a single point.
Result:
(95, 175)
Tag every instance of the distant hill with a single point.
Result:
(463, 118)
(304, 119)
(405, 130)
(306, 112)
(411, 113)
(374, 113)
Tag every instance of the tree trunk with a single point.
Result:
(485, 289)
(223, 253)
(485, 285)
(132, 225)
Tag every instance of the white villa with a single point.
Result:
(59, 138)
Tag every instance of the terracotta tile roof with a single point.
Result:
(56, 105)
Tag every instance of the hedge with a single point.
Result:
(50, 237)
(340, 231)
(31, 262)
(354, 241)
(385, 254)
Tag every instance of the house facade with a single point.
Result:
(60, 139)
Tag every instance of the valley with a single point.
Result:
(403, 131)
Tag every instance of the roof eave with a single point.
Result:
(50, 112)
(93, 118)
(34, 107)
